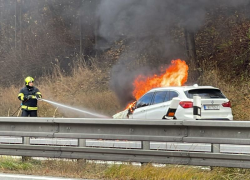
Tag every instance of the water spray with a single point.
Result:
(75, 109)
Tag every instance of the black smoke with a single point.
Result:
(142, 22)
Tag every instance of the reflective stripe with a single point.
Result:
(33, 97)
(28, 108)
(21, 95)
(39, 94)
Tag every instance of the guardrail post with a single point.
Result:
(145, 145)
(81, 143)
(215, 148)
(26, 141)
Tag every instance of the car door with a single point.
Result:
(158, 110)
(173, 94)
(159, 107)
(142, 104)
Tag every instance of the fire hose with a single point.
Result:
(16, 110)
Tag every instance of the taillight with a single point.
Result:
(186, 104)
(227, 104)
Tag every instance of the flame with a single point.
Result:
(131, 106)
(175, 75)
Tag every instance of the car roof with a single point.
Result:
(184, 88)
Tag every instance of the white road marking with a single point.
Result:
(4, 176)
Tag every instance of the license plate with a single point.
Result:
(211, 107)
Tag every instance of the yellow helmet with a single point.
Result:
(28, 80)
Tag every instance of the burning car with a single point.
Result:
(154, 95)
(155, 103)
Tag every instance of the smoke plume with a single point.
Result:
(142, 22)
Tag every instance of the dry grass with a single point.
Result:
(59, 168)
(175, 172)
(84, 89)
(74, 169)
(151, 172)
(8, 101)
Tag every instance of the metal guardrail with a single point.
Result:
(215, 132)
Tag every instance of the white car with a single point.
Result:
(155, 103)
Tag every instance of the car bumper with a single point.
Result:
(191, 117)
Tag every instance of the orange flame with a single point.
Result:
(175, 75)
(130, 106)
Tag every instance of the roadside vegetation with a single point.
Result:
(85, 88)
(89, 170)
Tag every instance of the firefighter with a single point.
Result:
(29, 96)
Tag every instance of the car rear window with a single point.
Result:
(205, 93)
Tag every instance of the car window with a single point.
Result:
(167, 97)
(159, 97)
(205, 93)
(144, 100)
(172, 94)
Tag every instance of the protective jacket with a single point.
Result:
(28, 96)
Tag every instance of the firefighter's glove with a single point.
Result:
(38, 96)
(27, 97)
